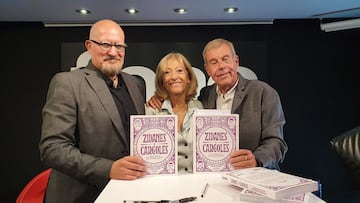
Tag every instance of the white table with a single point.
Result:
(170, 188)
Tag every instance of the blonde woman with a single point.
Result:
(176, 83)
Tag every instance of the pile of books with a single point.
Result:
(260, 185)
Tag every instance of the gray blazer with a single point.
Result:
(261, 119)
(82, 133)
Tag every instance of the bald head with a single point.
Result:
(102, 26)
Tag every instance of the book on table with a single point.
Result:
(153, 138)
(253, 197)
(273, 184)
(215, 137)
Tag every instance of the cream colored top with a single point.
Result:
(185, 139)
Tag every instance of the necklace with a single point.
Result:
(180, 110)
(180, 114)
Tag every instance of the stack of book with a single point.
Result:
(271, 186)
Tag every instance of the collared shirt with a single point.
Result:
(123, 102)
(224, 101)
(185, 139)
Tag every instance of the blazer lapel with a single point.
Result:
(98, 84)
(211, 100)
(134, 92)
(239, 94)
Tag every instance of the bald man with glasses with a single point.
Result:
(85, 129)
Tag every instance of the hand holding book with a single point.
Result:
(242, 158)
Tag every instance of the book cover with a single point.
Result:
(153, 138)
(270, 183)
(216, 136)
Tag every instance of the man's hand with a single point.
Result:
(242, 158)
(128, 168)
(155, 102)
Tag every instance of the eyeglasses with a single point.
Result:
(107, 46)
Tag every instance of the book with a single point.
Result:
(273, 184)
(153, 138)
(216, 136)
(251, 196)
(212, 111)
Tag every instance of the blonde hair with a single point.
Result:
(191, 89)
(215, 43)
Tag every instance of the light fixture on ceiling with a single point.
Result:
(180, 10)
(230, 9)
(131, 11)
(263, 22)
(83, 11)
(340, 25)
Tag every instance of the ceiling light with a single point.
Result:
(83, 11)
(131, 11)
(230, 9)
(340, 25)
(263, 22)
(180, 10)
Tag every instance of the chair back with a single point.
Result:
(347, 147)
(34, 191)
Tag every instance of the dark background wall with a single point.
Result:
(314, 72)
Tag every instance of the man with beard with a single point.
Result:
(85, 129)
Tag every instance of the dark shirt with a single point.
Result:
(123, 102)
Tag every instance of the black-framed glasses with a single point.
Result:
(107, 46)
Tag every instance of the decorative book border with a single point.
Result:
(270, 183)
(153, 138)
(215, 136)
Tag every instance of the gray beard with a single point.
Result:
(111, 70)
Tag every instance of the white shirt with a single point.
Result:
(224, 101)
